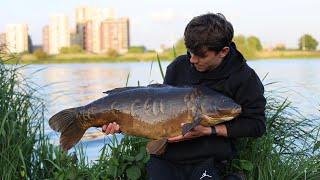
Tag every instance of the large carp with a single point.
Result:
(155, 111)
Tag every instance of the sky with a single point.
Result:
(153, 23)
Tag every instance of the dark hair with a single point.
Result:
(208, 32)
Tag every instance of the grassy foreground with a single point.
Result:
(289, 149)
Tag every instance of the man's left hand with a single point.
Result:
(197, 131)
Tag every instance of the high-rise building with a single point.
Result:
(88, 27)
(59, 33)
(83, 15)
(16, 38)
(74, 38)
(115, 35)
(45, 39)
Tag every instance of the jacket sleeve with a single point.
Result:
(251, 122)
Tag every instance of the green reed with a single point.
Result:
(288, 150)
(20, 114)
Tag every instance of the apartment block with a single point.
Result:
(16, 38)
(59, 33)
(115, 35)
(45, 39)
(88, 24)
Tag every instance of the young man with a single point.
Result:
(212, 60)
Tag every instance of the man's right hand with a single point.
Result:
(111, 128)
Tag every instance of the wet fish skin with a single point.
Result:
(154, 112)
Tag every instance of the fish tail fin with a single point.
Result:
(70, 127)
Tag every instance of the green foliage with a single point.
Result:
(180, 47)
(19, 123)
(40, 54)
(125, 160)
(307, 42)
(254, 43)
(248, 46)
(284, 152)
(73, 49)
(137, 49)
(177, 49)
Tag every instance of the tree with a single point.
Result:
(240, 41)
(180, 47)
(248, 46)
(254, 42)
(307, 42)
(40, 54)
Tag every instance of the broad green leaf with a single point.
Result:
(133, 172)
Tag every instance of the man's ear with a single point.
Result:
(224, 51)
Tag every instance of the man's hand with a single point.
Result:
(111, 128)
(197, 131)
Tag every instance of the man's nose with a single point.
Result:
(194, 59)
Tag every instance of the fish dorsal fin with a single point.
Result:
(122, 89)
(119, 90)
(188, 126)
(157, 147)
(157, 85)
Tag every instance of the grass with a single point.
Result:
(289, 149)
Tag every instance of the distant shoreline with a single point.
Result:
(151, 56)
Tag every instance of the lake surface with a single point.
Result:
(69, 85)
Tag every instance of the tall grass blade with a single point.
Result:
(160, 67)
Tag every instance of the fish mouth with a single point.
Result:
(226, 116)
(223, 118)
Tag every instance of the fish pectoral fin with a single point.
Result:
(157, 147)
(188, 126)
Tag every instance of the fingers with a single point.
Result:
(187, 136)
(175, 139)
(111, 128)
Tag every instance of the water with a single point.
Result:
(69, 85)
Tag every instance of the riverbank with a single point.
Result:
(150, 56)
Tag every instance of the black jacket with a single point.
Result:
(234, 78)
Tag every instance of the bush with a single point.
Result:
(40, 54)
(112, 53)
(73, 49)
